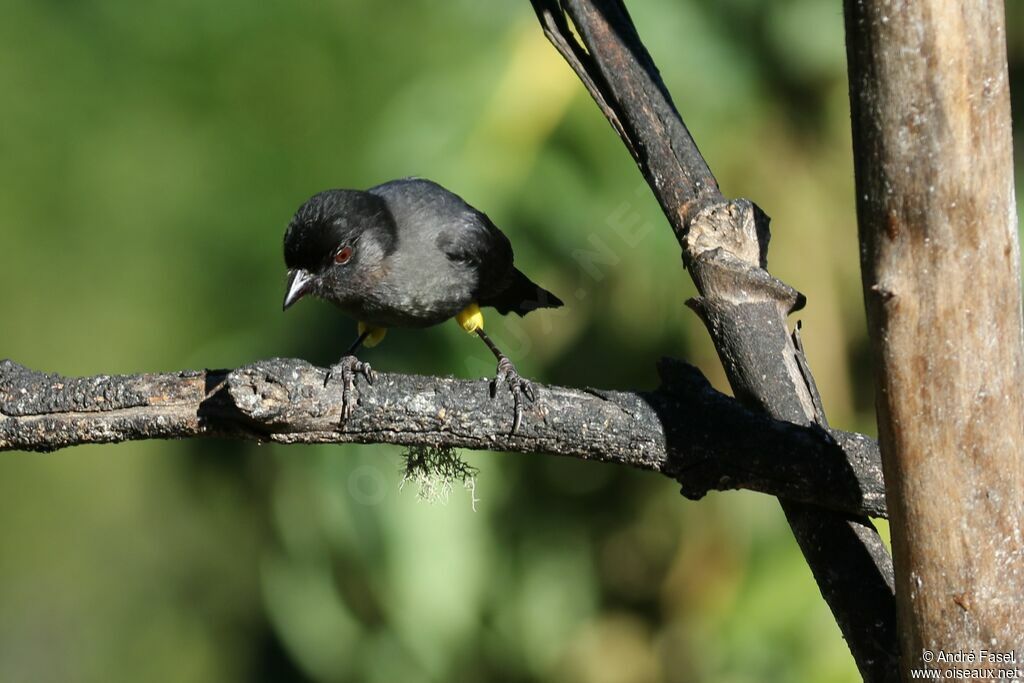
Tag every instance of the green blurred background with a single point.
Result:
(150, 157)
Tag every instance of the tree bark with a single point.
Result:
(725, 246)
(685, 430)
(940, 265)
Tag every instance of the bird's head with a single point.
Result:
(336, 241)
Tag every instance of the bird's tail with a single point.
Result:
(521, 297)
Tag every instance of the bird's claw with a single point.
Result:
(519, 387)
(348, 367)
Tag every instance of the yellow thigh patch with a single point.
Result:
(376, 334)
(471, 318)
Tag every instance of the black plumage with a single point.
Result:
(408, 253)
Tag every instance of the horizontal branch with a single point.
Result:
(686, 429)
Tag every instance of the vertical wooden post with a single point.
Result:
(941, 274)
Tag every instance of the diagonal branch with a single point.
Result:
(620, 75)
(685, 429)
(744, 308)
(556, 29)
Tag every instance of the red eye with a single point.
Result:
(343, 255)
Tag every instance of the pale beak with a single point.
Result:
(299, 284)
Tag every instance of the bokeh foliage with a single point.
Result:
(150, 156)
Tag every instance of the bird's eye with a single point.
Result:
(343, 255)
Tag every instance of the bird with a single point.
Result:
(407, 253)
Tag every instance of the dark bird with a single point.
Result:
(407, 253)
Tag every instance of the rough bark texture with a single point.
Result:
(686, 430)
(940, 263)
(745, 311)
(725, 249)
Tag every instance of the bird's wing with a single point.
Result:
(464, 235)
(475, 241)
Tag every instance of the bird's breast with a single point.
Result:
(412, 292)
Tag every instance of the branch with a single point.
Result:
(620, 75)
(744, 308)
(686, 430)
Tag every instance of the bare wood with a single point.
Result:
(941, 274)
(744, 308)
(685, 430)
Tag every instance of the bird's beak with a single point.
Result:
(299, 282)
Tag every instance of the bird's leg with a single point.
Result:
(348, 367)
(508, 374)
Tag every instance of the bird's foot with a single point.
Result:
(348, 367)
(519, 387)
